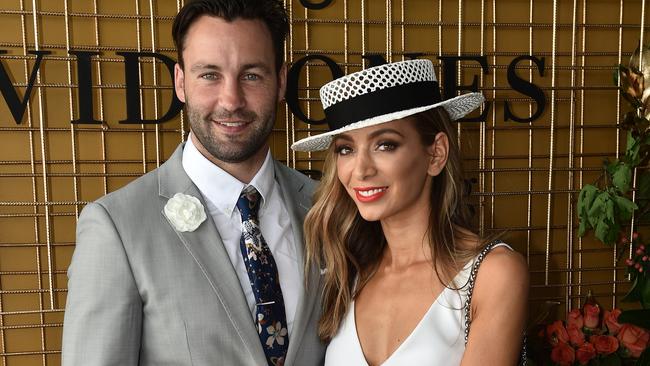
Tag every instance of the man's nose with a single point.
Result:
(231, 96)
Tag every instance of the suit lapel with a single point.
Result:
(298, 203)
(206, 247)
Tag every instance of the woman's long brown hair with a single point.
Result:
(339, 240)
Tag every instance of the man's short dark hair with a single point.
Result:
(271, 12)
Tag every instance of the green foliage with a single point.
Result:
(636, 292)
(643, 196)
(644, 359)
(611, 360)
(639, 317)
(605, 207)
(604, 211)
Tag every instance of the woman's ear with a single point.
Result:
(438, 152)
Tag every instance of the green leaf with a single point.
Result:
(622, 176)
(640, 292)
(582, 228)
(611, 360)
(602, 217)
(596, 212)
(625, 207)
(632, 148)
(610, 210)
(634, 294)
(586, 197)
(643, 185)
(613, 233)
(640, 318)
(643, 193)
(610, 167)
(602, 230)
(644, 359)
(645, 291)
(585, 200)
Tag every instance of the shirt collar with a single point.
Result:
(219, 187)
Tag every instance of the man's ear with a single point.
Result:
(438, 152)
(282, 82)
(179, 82)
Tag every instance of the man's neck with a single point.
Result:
(243, 171)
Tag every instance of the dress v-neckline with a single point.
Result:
(413, 331)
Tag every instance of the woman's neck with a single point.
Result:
(407, 239)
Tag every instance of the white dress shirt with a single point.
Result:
(221, 192)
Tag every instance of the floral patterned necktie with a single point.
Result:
(263, 275)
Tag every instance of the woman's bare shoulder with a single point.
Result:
(503, 271)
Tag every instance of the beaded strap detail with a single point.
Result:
(470, 290)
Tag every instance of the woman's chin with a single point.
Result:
(370, 216)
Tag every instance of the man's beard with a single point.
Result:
(231, 150)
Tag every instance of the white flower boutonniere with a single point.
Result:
(185, 212)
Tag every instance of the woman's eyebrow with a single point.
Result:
(383, 131)
(371, 135)
(342, 137)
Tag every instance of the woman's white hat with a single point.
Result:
(382, 94)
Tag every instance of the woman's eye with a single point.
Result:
(343, 150)
(387, 146)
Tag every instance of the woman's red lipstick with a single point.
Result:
(369, 194)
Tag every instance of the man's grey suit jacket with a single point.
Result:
(142, 293)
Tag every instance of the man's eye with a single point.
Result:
(343, 150)
(209, 76)
(251, 77)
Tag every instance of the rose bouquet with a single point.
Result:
(593, 337)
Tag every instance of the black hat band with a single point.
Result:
(381, 102)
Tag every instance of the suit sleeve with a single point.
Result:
(103, 314)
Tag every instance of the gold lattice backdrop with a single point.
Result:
(525, 175)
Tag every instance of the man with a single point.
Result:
(173, 269)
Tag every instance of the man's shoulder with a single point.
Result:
(299, 178)
(141, 189)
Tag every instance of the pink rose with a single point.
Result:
(591, 311)
(603, 344)
(576, 336)
(563, 354)
(575, 318)
(555, 332)
(633, 338)
(585, 353)
(610, 318)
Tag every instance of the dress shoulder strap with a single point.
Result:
(470, 290)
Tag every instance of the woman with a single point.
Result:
(391, 231)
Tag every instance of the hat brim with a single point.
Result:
(457, 107)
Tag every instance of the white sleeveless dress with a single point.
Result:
(437, 340)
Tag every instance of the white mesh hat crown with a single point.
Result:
(382, 94)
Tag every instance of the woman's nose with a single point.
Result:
(364, 166)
